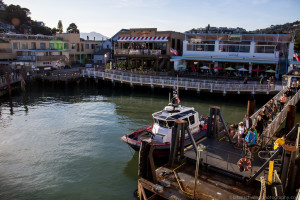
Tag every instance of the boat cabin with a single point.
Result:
(164, 121)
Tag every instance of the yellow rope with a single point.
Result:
(177, 179)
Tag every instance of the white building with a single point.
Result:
(251, 51)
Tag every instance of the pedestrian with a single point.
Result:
(261, 80)
(282, 101)
(245, 80)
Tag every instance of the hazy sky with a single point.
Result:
(109, 16)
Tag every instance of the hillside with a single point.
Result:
(290, 28)
(92, 35)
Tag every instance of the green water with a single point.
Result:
(64, 142)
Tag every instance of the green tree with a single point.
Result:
(72, 28)
(17, 12)
(297, 43)
(60, 26)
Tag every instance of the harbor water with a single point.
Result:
(64, 142)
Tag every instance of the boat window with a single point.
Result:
(192, 119)
(186, 119)
(170, 124)
(155, 121)
(162, 123)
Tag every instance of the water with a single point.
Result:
(64, 143)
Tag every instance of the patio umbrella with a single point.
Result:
(271, 71)
(243, 70)
(229, 69)
(256, 70)
(204, 67)
(217, 67)
(181, 66)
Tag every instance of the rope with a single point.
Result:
(177, 179)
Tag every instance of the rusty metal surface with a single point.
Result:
(211, 185)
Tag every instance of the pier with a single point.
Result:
(214, 168)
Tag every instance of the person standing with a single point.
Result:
(282, 101)
(247, 121)
(259, 125)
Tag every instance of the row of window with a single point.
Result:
(59, 46)
(170, 124)
(231, 48)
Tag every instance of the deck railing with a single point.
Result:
(279, 119)
(13, 79)
(275, 99)
(146, 52)
(182, 83)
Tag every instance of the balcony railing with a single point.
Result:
(50, 58)
(140, 52)
(26, 58)
(5, 51)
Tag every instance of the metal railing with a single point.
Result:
(13, 79)
(275, 99)
(26, 58)
(279, 119)
(182, 83)
(51, 58)
(152, 52)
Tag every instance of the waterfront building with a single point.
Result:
(41, 51)
(80, 50)
(147, 48)
(250, 51)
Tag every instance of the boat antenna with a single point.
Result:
(177, 87)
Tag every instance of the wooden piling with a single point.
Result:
(290, 119)
(251, 107)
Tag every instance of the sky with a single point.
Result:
(109, 16)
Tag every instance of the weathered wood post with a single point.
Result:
(251, 107)
(290, 119)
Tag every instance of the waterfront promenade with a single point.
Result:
(183, 83)
(157, 80)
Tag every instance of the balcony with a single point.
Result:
(138, 52)
(26, 58)
(5, 51)
(51, 58)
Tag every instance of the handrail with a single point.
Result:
(275, 98)
(183, 83)
(279, 119)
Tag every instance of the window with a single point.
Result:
(192, 119)
(173, 43)
(24, 46)
(33, 45)
(66, 46)
(92, 46)
(15, 45)
(178, 44)
(42, 45)
(73, 46)
(162, 123)
(170, 124)
(51, 45)
(87, 46)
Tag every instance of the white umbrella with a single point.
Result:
(204, 67)
(243, 70)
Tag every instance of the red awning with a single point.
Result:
(143, 39)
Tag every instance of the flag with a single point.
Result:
(297, 56)
(173, 51)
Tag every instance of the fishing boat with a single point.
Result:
(160, 132)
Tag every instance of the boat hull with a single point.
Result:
(160, 149)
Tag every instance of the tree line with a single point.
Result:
(20, 18)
